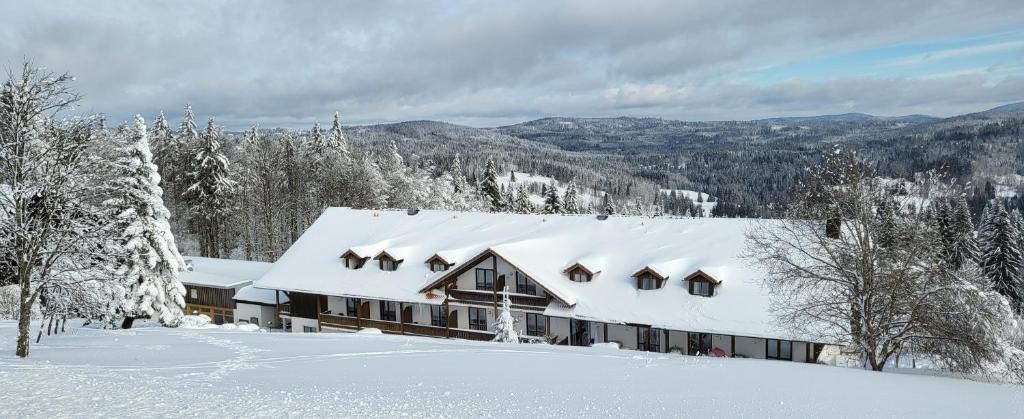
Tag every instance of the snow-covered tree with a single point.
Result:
(570, 202)
(336, 139)
(458, 176)
(370, 190)
(210, 192)
(1001, 258)
(522, 204)
(552, 203)
(505, 327)
(147, 262)
(489, 188)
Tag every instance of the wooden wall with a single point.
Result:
(207, 296)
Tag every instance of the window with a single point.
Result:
(438, 317)
(699, 344)
(535, 324)
(308, 329)
(779, 349)
(387, 310)
(438, 267)
(194, 293)
(352, 307)
(523, 284)
(254, 320)
(648, 339)
(485, 279)
(477, 318)
(701, 287)
(388, 265)
(353, 262)
(578, 275)
(648, 282)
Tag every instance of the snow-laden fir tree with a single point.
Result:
(209, 193)
(570, 202)
(147, 262)
(522, 204)
(505, 327)
(1001, 258)
(552, 203)
(508, 197)
(963, 245)
(369, 187)
(489, 188)
(336, 139)
(459, 183)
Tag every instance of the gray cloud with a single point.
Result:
(488, 63)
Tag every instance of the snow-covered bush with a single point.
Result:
(201, 321)
(504, 329)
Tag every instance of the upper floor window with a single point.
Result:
(388, 265)
(700, 287)
(485, 279)
(578, 275)
(647, 282)
(438, 267)
(353, 262)
(523, 284)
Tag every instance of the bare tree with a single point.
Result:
(48, 197)
(850, 264)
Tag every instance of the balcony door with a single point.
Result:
(579, 332)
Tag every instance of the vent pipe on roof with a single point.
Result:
(602, 217)
(412, 211)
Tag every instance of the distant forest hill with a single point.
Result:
(749, 166)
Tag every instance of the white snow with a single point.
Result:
(584, 195)
(162, 372)
(251, 294)
(705, 205)
(221, 273)
(542, 246)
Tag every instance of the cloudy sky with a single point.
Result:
(490, 63)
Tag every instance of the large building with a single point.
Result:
(651, 284)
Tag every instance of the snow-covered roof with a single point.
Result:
(542, 247)
(221, 273)
(251, 294)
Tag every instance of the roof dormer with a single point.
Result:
(578, 272)
(648, 278)
(353, 260)
(387, 261)
(701, 283)
(438, 263)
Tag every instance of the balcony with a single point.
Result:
(488, 297)
(424, 330)
(334, 320)
(468, 334)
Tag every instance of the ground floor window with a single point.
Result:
(308, 329)
(254, 320)
(779, 349)
(648, 339)
(438, 317)
(352, 307)
(477, 318)
(388, 310)
(699, 344)
(535, 324)
(579, 332)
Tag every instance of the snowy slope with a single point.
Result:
(157, 372)
(584, 195)
(707, 206)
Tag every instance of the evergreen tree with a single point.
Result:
(504, 328)
(964, 247)
(1001, 258)
(489, 188)
(336, 139)
(522, 203)
(209, 193)
(458, 176)
(552, 204)
(148, 262)
(512, 176)
(370, 189)
(570, 202)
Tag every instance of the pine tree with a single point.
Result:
(336, 139)
(552, 204)
(458, 176)
(512, 176)
(209, 193)
(504, 329)
(1001, 258)
(148, 262)
(508, 197)
(570, 202)
(964, 249)
(489, 188)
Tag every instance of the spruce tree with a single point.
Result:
(148, 262)
(210, 192)
(965, 246)
(570, 202)
(489, 188)
(1001, 258)
(458, 176)
(504, 328)
(552, 204)
(336, 139)
(522, 203)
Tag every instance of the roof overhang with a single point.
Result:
(480, 258)
(581, 266)
(652, 271)
(701, 273)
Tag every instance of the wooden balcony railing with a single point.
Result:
(488, 297)
(383, 325)
(334, 320)
(528, 300)
(421, 329)
(470, 334)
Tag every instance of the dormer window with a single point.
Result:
(387, 262)
(352, 260)
(579, 273)
(438, 264)
(702, 284)
(649, 279)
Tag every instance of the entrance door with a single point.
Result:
(579, 332)
(453, 319)
(364, 310)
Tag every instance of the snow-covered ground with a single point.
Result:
(707, 206)
(584, 195)
(230, 373)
